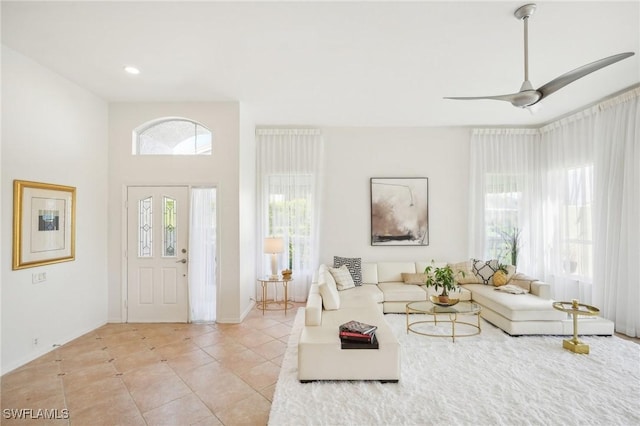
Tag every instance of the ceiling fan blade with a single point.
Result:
(567, 78)
(508, 98)
(524, 98)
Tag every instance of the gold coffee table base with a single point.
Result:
(574, 308)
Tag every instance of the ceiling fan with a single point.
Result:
(528, 96)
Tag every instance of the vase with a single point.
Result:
(444, 296)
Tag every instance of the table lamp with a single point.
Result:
(273, 246)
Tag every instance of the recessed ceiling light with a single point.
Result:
(132, 70)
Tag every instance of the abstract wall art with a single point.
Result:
(399, 211)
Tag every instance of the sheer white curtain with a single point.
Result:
(202, 255)
(575, 184)
(617, 213)
(503, 195)
(289, 173)
(567, 162)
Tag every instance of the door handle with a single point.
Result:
(181, 261)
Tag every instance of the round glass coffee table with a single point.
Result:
(451, 313)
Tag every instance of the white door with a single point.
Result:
(157, 242)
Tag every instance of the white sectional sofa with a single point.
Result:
(384, 291)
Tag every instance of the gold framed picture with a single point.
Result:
(44, 222)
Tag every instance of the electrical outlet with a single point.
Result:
(35, 341)
(38, 277)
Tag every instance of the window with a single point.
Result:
(576, 238)
(172, 136)
(290, 200)
(502, 203)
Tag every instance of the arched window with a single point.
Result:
(172, 136)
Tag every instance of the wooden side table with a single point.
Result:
(574, 308)
(265, 304)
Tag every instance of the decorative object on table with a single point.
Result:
(441, 277)
(448, 301)
(575, 308)
(44, 224)
(399, 212)
(286, 274)
(274, 246)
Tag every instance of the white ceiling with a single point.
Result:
(333, 63)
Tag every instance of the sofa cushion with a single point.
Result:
(392, 271)
(353, 264)
(484, 270)
(360, 296)
(399, 292)
(515, 307)
(370, 273)
(328, 290)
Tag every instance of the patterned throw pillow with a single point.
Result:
(342, 277)
(417, 279)
(354, 264)
(484, 270)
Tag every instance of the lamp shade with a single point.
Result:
(273, 245)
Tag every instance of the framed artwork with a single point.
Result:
(44, 221)
(399, 212)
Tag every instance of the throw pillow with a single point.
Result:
(512, 289)
(463, 273)
(484, 270)
(511, 271)
(416, 279)
(342, 277)
(354, 264)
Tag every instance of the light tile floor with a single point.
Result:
(155, 374)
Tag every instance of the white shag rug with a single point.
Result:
(487, 379)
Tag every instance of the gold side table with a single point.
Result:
(574, 308)
(265, 304)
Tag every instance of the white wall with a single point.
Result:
(56, 132)
(354, 155)
(220, 169)
(248, 272)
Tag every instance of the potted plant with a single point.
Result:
(441, 278)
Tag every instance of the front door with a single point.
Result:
(157, 242)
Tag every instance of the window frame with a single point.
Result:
(140, 130)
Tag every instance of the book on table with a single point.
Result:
(355, 344)
(358, 337)
(354, 326)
